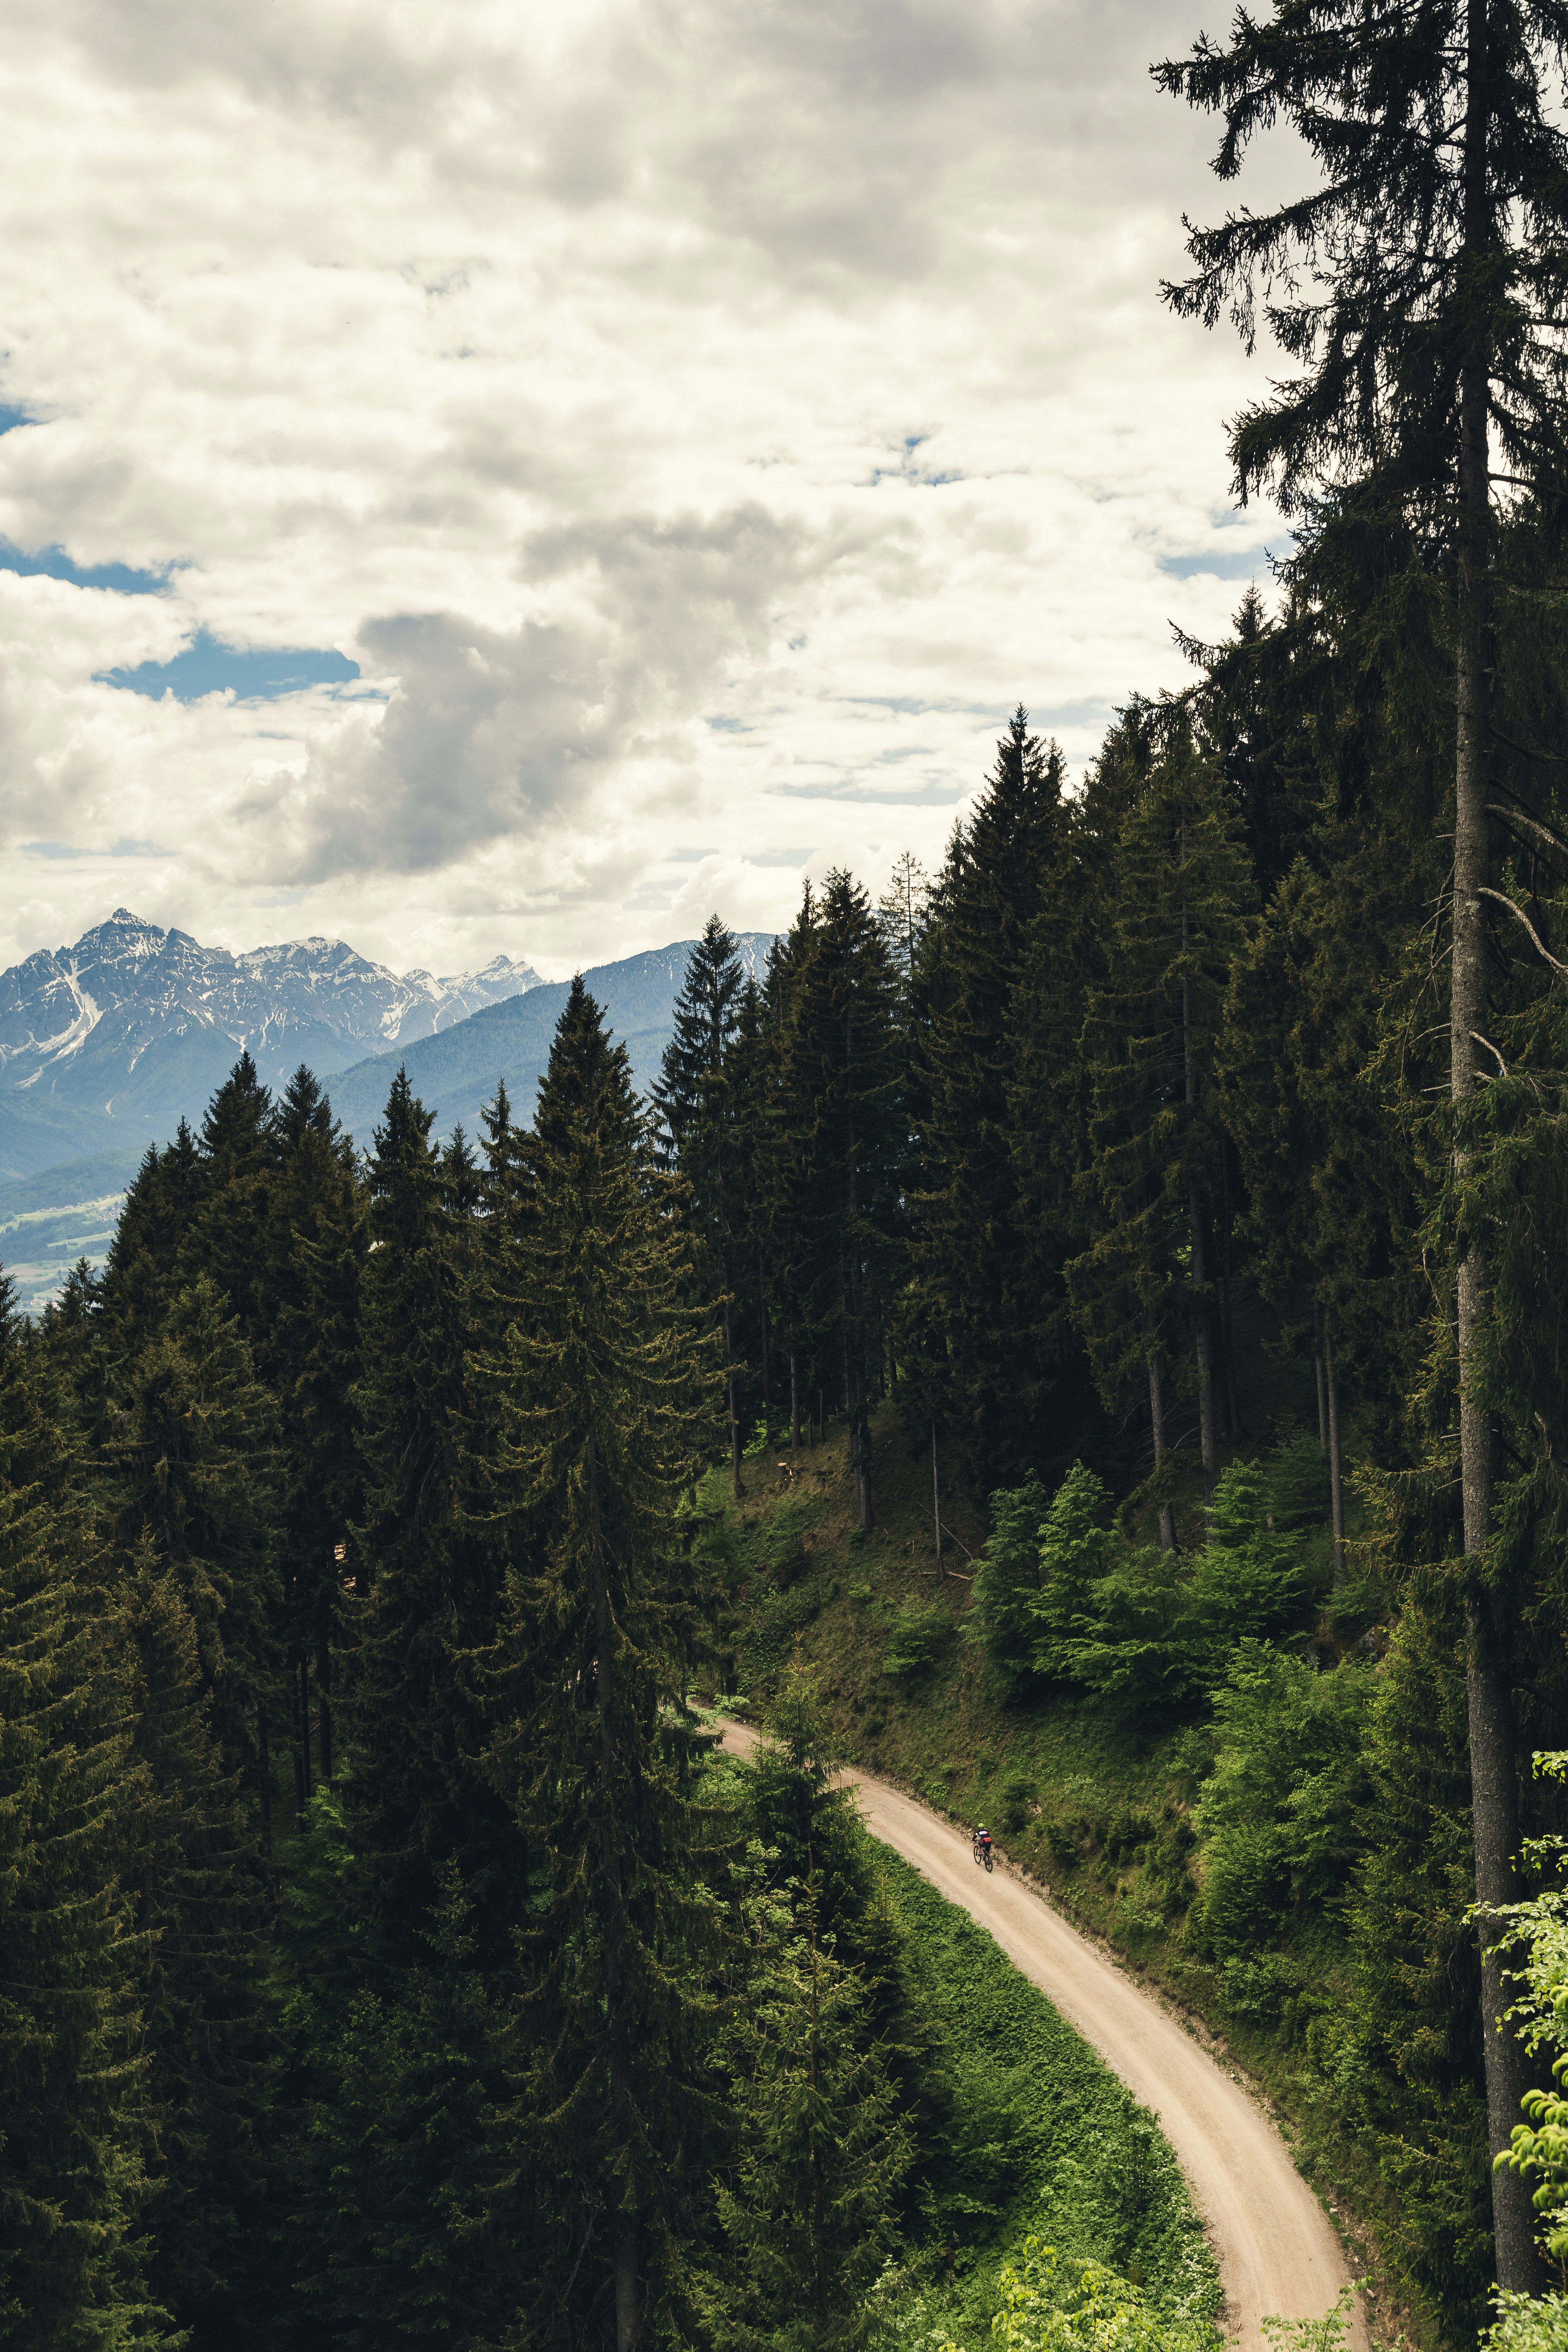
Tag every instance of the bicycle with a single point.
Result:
(980, 1846)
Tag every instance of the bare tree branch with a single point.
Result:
(1521, 917)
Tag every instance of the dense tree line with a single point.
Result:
(374, 1966)
(378, 1966)
(382, 1965)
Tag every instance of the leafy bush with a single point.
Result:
(1280, 1818)
(1077, 1553)
(915, 1641)
(1068, 1597)
(1529, 2323)
(1056, 2302)
(1007, 1582)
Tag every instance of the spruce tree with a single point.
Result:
(73, 2186)
(228, 1240)
(1419, 289)
(193, 1467)
(605, 1397)
(414, 1706)
(316, 1243)
(696, 1108)
(1183, 899)
(200, 1908)
(810, 2205)
(971, 1319)
(141, 1275)
(842, 1138)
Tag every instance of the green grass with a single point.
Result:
(1041, 2138)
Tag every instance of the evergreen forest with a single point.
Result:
(1083, 1330)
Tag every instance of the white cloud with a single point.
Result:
(704, 422)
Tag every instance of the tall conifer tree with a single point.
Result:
(698, 1111)
(1420, 290)
(418, 1797)
(971, 1319)
(843, 1159)
(608, 1382)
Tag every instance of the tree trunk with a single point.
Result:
(1157, 1417)
(304, 1730)
(323, 1688)
(1323, 1405)
(1494, 1789)
(1203, 1334)
(264, 1767)
(936, 1501)
(767, 1356)
(1203, 1340)
(1336, 1465)
(734, 1419)
(794, 1406)
(627, 2295)
(615, 1937)
(1228, 1328)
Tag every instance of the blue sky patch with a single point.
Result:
(259, 674)
(10, 417)
(54, 563)
(1253, 565)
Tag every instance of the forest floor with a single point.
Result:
(1077, 1792)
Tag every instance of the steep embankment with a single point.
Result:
(1276, 2250)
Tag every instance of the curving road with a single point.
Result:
(1275, 2248)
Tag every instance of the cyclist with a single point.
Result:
(981, 1843)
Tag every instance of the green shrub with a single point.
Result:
(1007, 1582)
(916, 1639)
(1280, 1818)
(1060, 2302)
(1529, 2323)
(1076, 1602)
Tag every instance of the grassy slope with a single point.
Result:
(1084, 1801)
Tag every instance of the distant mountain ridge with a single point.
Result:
(111, 1041)
(106, 1046)
(455, 1073)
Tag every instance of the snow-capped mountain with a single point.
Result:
(110, 1039)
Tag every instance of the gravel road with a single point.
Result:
(1275, 2248)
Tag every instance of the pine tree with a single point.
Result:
(1182, 897)
(73, 2187)
(199, 1909)
(842, 1151)
(971, 1320)
(1429, 331)
(608, 1379)
(238, 1160)
(316, 1245)
(810, 2206)
(1328, 1170)
(399, 2191)
(414, 1706)
(141, 1276)
(696, 1107)
(193, 1467)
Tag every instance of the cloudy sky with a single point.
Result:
(516, 477)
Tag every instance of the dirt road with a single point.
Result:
(1275, 2248)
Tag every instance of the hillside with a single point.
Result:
(1093, 1801)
